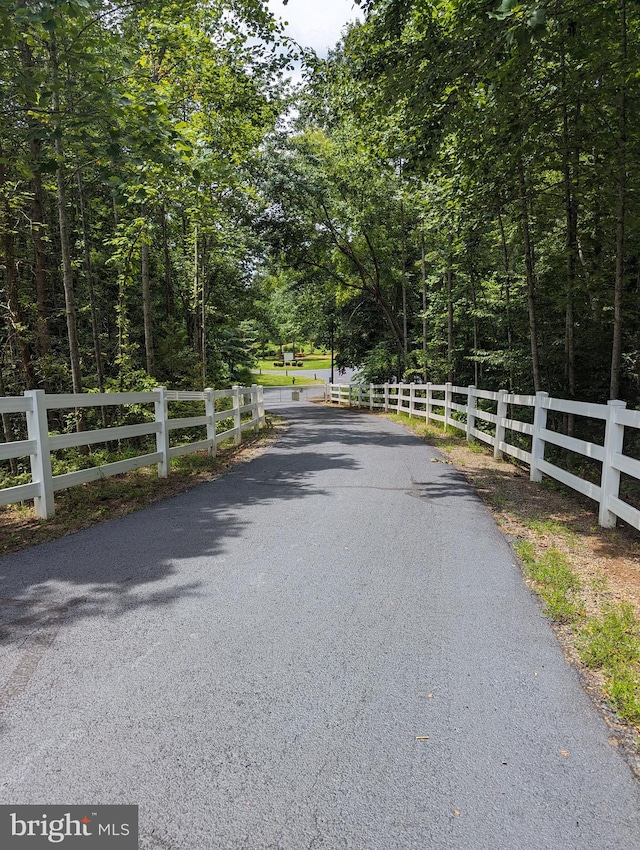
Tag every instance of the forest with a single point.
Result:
(452, 194)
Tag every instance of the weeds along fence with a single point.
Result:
(527, 427)
(222, 415)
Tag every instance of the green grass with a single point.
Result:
(609, 642)
(498, 501)
(477, 447)
(284, 380)
(435, 434)
(550, 526)
(614, 639)
(309, 363)
(558, 586)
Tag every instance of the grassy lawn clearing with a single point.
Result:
(313, 363)
(283, 380)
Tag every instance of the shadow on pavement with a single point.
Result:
(135, 563)
(139, 562)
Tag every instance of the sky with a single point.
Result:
(316, 23)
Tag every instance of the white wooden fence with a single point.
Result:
(424, 400)
(40, 443)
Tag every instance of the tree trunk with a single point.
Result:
(203, 313)
(424, 305)
(6, 428)
(168, 285)
(65, 248)
(195, 299)
(474, 303)
(531, 280)
(571, 217)
(570, 164)
(15, 317)
(121, 311)
(146, 306)
(88, 271)
(405, 320)
(616, 346)
(450, 309)
(38, 229)
(507, 297)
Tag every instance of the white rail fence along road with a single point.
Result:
(246, 410)
(461, 407)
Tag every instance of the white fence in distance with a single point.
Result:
(40, 443)
(423, 400)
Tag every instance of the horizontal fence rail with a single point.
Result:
(244, 408)
(460, 407)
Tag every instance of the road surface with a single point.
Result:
(329, 648)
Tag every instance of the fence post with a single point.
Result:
(471, 411)
(255, 412)
(261, 415)
(610, 481)
(412, 399)
(386, 398)
(537, 443)
(359, 396)
(371, 397)
(447, 404)
(38, 430)
(428, 403)
(237, 416)
(162, 436)
(210, 411)
(501, 415)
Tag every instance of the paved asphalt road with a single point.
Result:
(253, 661)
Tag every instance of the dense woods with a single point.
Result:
(474, 193)
(453, 195)
(126, 130)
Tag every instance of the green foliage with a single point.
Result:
(284, 380)
(453, 198)
(623, 689)
(495, 144)
(556, 583)
(611, 643)
(549, 526)
(612, 639)
(476, 447)
(152, 122)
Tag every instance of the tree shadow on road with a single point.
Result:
(156, 557)
(141, 561)
(320, 424)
